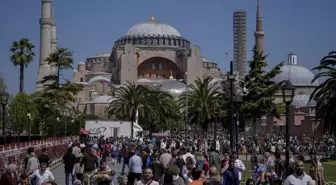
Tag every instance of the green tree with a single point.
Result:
(22, 55)
(160, 109)
(19, 113)
(128, 100)
(325, 93)
(259, 100)
(58, 93)
(54, 90)
(200, 101)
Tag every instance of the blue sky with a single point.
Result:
(89, 27)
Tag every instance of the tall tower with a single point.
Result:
(53, 40)
(259, 33)
(239, 41)
(45, 42)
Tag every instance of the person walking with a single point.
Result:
(69, 160)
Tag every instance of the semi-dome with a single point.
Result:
(303, 100)
(103, 99)
(298, 75)
(173, 87)
(152, 28)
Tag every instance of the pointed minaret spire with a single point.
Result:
(258, 10)
(259, 33)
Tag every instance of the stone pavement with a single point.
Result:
(60, 176)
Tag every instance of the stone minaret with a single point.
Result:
(45, 42)
(259, 33)
(53, 37)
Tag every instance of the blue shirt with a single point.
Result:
(135, 164)
(231, 178)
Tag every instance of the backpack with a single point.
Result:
(200, 164)
(206, 166)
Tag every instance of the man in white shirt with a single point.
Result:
(188, 154)
(42, 175)
(299, 177)
(238, 164)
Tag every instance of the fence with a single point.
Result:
(16, 152)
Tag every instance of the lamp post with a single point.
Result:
(27, 103)
(231, 78)
(287, 94)
(4, 101)
(237, 101)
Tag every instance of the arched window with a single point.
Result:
(81, 79)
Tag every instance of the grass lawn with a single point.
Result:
(329, 170)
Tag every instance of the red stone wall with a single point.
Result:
(15, 152)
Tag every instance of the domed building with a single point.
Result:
(300, 77)
(303, 114)
(149, 53)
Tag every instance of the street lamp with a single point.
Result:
(4, 101)
(29, 102)
(231, 78)
(237, 101)
(288, 90)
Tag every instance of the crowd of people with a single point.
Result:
(174, 161)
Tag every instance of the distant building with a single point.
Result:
(239, 41)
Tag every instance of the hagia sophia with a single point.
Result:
(153, 52)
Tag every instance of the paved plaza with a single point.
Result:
(60, 176)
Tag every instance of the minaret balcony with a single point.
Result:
(45, 21)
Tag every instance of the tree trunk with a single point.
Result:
(21, 77)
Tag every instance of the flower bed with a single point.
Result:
(15, 152)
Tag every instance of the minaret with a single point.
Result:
(45, 42)
(53, 37)
(259, 33)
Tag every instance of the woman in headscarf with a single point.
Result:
(10, 176)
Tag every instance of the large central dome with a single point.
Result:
(152, 28)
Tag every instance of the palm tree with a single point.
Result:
(22, 55)
(129, 99)
(61, 59)
(160, 108)
(325, 93)
(202, 98)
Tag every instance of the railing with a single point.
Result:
(16, 152)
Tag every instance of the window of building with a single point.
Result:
(153, 65)
(81, 79)
(160, 65)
